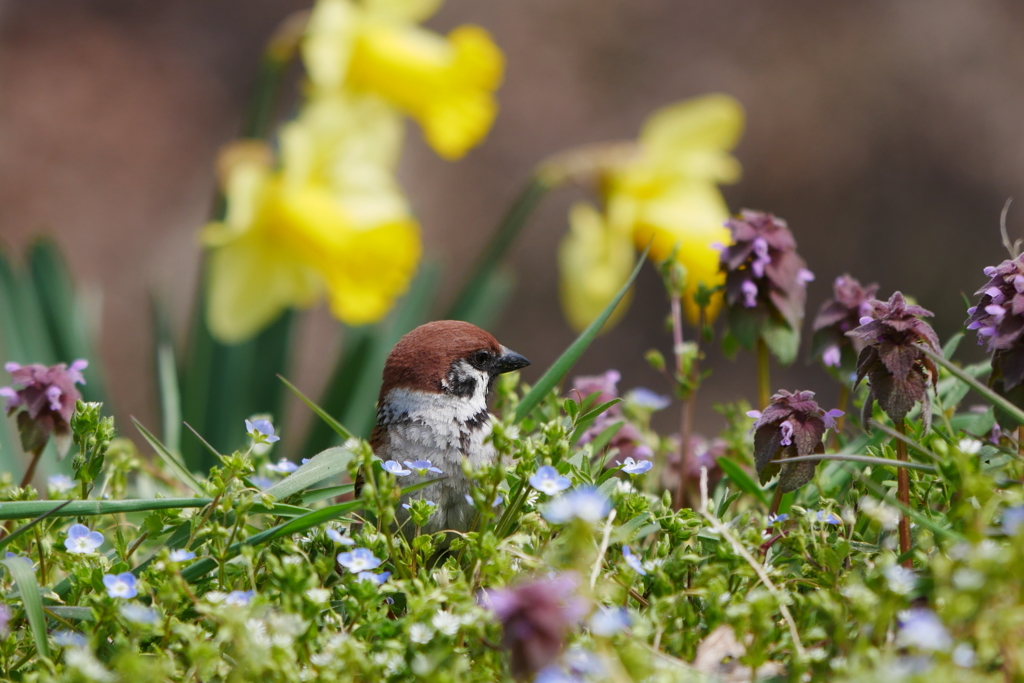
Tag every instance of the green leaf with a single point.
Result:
(474, 295)
(782, 340)
(169, 458)
(316, 495)
(70, 612)
(167, 379)
(320, 412)
(563, 365)
(991, 396)
(951, 346)
(744, 326)
(742, 480)
(28, 588)
(624, 533)
(330, 463)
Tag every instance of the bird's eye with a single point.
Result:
(481, 358)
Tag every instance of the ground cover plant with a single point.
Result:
(879, 539)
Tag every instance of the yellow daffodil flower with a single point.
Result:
(446, 84)
(331, 219)
(665, 194)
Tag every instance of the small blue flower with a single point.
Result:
(633, 561)
(338, 537)
(262, 483)
(645, 398)
(1013, 517)
(555, 674)
(919, 627)
(61, 483)
(120, 585)
(547, 480)
(81, 541)
(828, 517)
(408, 506)
(421, 467)
(497, 501)
(370, 576)
(777, 519)
(396, 469)
(607, 621)
(283, 466)
(12, 556)
(239, 598)
(359, 560)
(138, 614)
(181, 555)
(69, 639)
(630, 466)
(261, 431)
(587, 504)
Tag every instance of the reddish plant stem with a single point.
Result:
(31, 471)
(903, 494)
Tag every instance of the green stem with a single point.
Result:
(903, 494)
(764, 383)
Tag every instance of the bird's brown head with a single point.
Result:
(447, 357)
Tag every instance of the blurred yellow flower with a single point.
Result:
(446, 84)
(666, 194)
(330, 219)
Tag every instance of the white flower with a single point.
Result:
(318, 595)
(886, 515)
(421, 633)
(969, 446)
(87, 665)
(963, 656)
(446, 623)
(901, 580)
(61, 483)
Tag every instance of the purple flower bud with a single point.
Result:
(832, 356)
(866, 319)
(996, 311)
(996, 295)
(804, 275)
(971, 310)
(989, 271)
(47, 396)
(1018, 283)
(749, 293)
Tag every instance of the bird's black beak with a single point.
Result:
(508, 361)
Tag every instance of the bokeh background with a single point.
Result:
(888, 134)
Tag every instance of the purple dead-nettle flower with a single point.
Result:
(587, 504)
(339, 537)
(634, 561)
(181, 555)
(921, 628)
(44, 402)
(396, 469)
(81, 541)
(792, 425)
(374, 578)
(359, 560)
(421, 467)
(547, 480)
(898, 371)
(998, 319)
(705, 457)
(764, 278)
(120, 585)
(261, 431)
(283, 466)
(849, 303)
(630, 466)
(239, 598)
(627, 439)
(605, 386)
(536, 616)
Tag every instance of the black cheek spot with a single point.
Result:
(461, 386)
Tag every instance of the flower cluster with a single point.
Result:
(849, 303)
(326, 214)
(44, 402)
(765, 283)
(792, 425)
(627, 439)
(662, 191)
(897, 370)
(998, 319)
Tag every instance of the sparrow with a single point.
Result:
(433, 406)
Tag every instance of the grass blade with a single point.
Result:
(91, 508)
(28, 587)
(743, 481)
(338, 428)
(176, 466)
(990, 395)
(167, 379)
(563, 365)
(316, 495)
(330, 463)
(865, 459)
(18, 532)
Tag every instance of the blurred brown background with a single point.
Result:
(887, 133)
